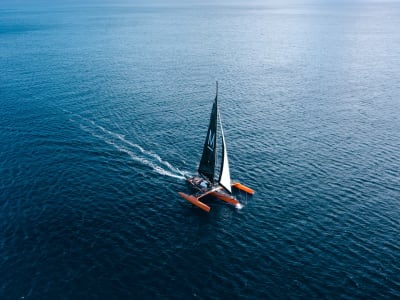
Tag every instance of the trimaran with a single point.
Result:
(205, 183)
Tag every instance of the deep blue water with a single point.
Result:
(104, 108)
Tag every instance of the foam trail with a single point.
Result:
(239, 206)
(132, 155)
(149, 153)
(122, 138)
(158, 169)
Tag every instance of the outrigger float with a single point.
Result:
(205, 183)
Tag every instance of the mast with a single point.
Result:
(209, 156)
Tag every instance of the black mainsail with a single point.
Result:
(208, 159)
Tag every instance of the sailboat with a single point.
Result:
(205, 182)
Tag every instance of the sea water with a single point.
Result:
(104, 108)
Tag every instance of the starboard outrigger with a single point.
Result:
(205, 183)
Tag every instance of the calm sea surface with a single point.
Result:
(104, 110)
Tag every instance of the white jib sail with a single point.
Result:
(225, 176)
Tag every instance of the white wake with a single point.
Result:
(134, 151)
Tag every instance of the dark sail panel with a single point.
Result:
(207, 162)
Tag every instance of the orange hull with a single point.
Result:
(225, 198)
(243, 188)
(195, 201)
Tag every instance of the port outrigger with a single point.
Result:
(205, 183)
